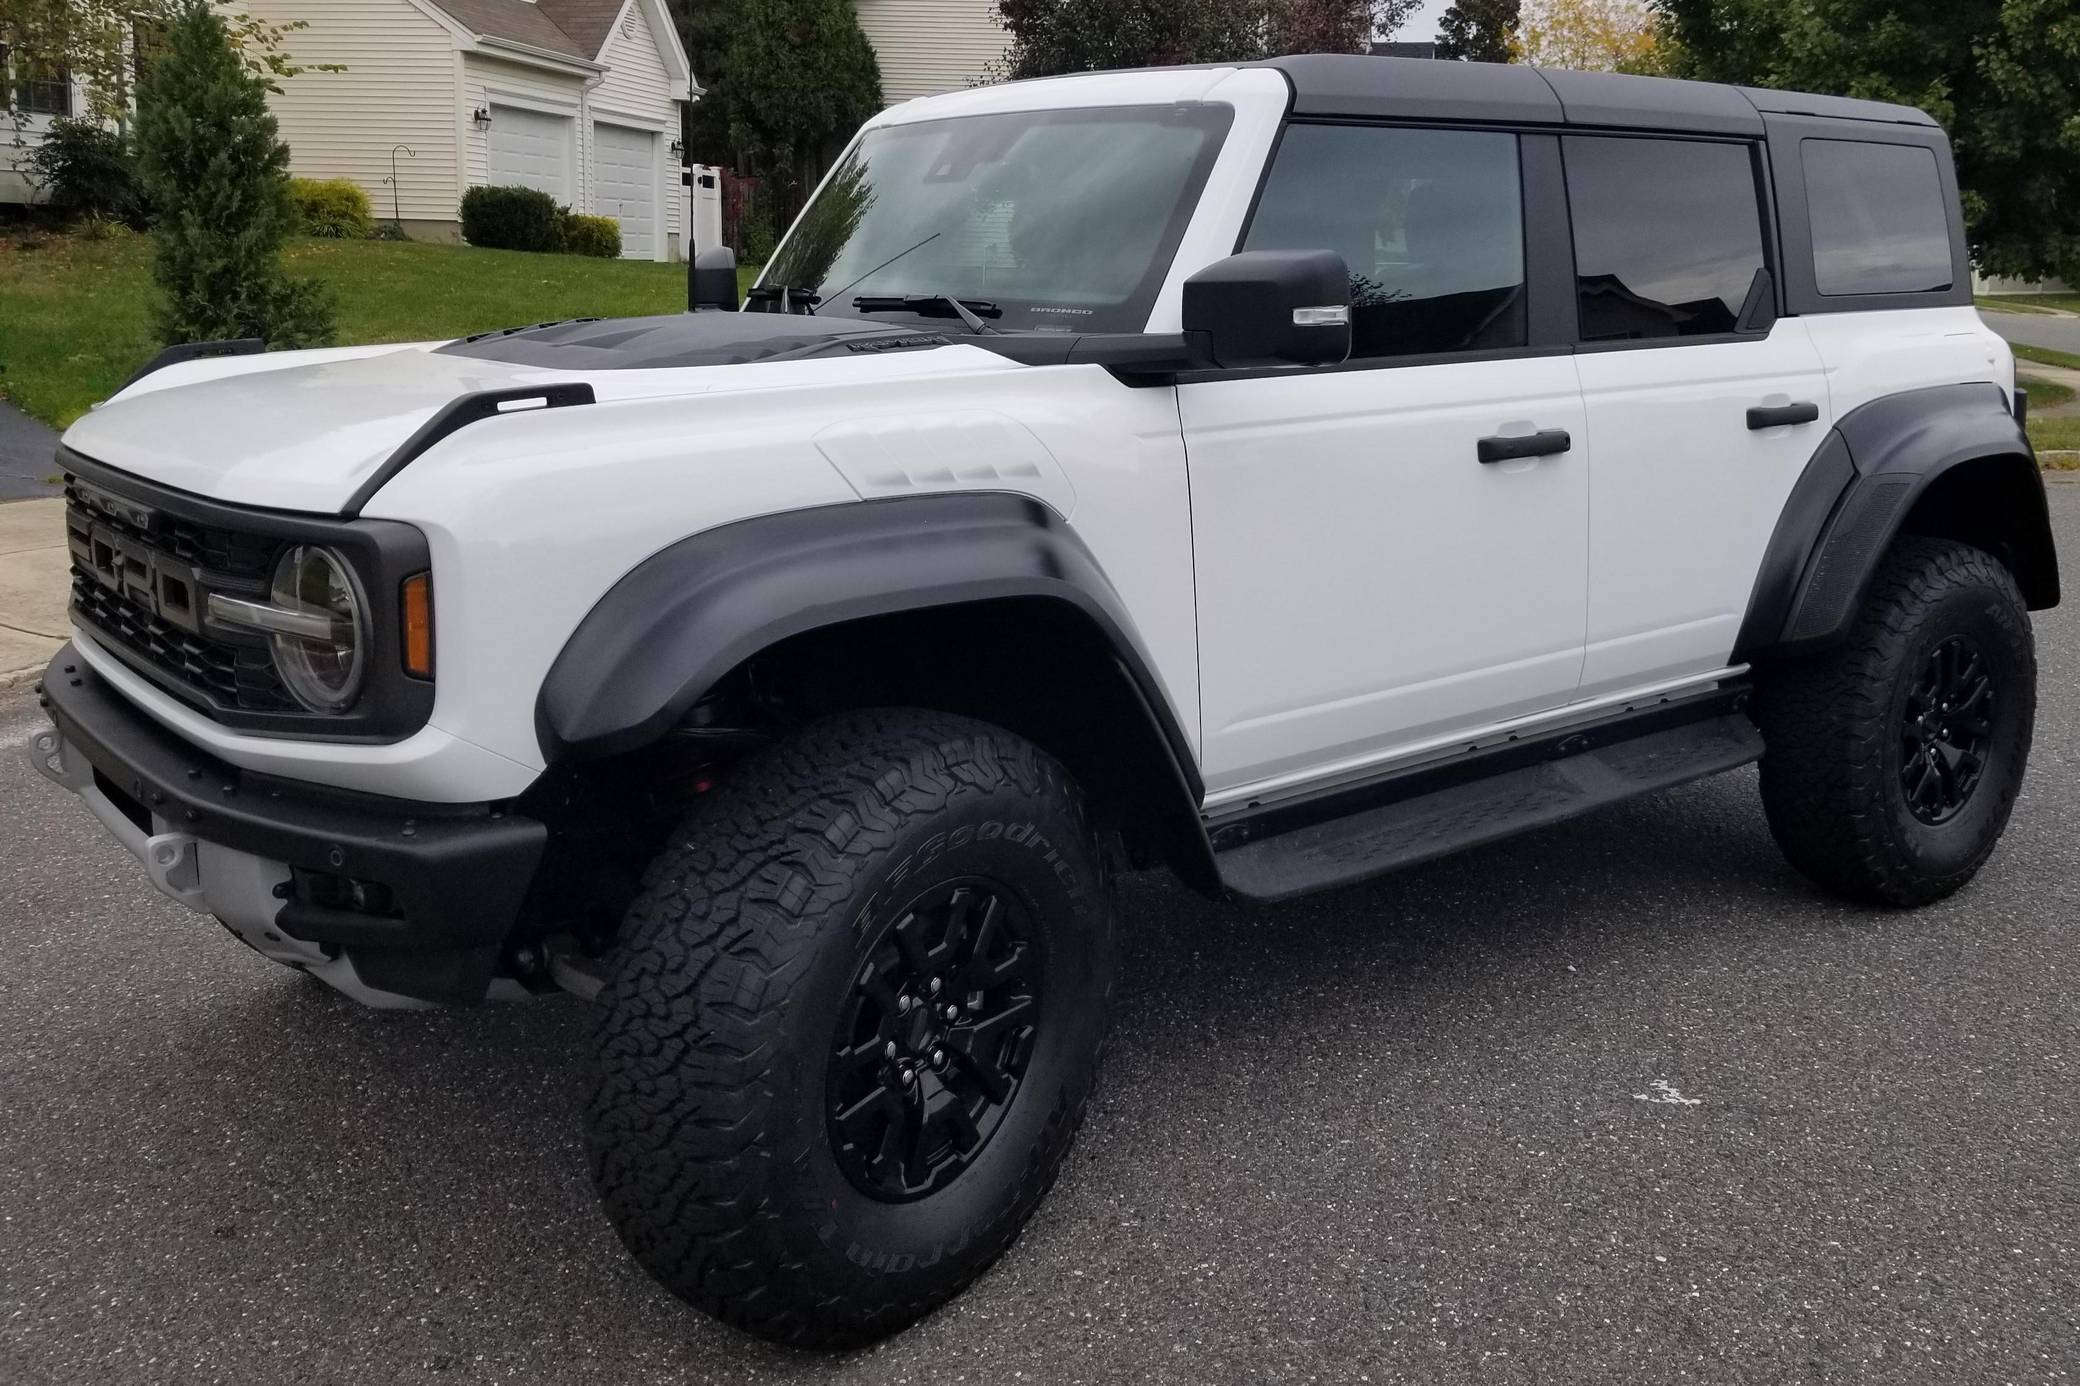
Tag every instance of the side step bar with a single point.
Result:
(1378, 840)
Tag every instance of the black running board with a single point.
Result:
(1391, 836)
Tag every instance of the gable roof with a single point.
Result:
(588, 22)
(515, 21)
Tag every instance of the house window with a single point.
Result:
(37, 91)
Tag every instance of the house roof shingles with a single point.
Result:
(575, 28)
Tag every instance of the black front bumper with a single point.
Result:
(458, 874)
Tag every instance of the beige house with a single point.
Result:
(929, 46)
(579, 98)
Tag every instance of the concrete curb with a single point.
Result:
(20, 678)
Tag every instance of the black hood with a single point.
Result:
(685, 339)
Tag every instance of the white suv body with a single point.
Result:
(1330, 463)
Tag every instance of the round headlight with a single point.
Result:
(322, 664)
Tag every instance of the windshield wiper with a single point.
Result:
(970, 311)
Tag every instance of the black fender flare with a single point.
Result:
(1863, 481)
(684, 617)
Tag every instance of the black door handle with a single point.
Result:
(1777, 415)
(1543, 443)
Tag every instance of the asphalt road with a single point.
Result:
(1625, 1101)
(2057, 332)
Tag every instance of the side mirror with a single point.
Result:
(712, 282)
(1272, 308)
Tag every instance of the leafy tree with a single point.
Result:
(802, 77)
(1478, 31)
(1589, 36)
(1055, 36)
(217, 173)
(2002, 75)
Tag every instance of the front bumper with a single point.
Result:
(262, 854)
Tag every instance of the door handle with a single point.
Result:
(1778, 415)
(1543, 443)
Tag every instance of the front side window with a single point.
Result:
(1880, 223)
(1667, 235)
(1048, 221)
(1430, 223)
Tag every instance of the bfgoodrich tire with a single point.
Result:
(852, 1026)
(1894, 759)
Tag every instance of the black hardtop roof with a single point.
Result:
(1336, 84)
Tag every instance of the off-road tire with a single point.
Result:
(1832, 724)
(709, 1124)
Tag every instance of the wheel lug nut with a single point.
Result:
(938, 1058)
(935, 986)
(909, 1075)
(903, 1005)
(952, 1012)
(890, 1051)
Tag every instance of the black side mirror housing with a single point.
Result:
(711, 283)
(1272, 308)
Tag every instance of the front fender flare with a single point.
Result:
(687, 615)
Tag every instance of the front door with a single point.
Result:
(1367, 584)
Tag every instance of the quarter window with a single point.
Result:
(1430, 222)
(1880, 223)
(1667, 235)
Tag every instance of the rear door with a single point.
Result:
(1366, 581)
(1700, 422)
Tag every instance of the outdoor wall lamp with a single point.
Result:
(482, 117)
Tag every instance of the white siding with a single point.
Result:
(17, 143)
(638, 85)
(399, 88)
(488, 81)
(929, 46)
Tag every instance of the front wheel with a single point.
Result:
(1894, 759)
(852, 1025)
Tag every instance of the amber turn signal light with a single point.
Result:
(418, 625)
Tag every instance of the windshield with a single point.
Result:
(1053, 221)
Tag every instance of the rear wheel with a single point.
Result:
(1894, 758)
(852, 1025)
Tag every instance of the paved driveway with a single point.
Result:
(26, 447)
(1621, 1102)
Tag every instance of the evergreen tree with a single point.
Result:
(705, 28)
(802, 77)
(1478, 31)
(217, 175)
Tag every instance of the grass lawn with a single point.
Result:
(2005, 303)
(75, 315)
(2045, 356)
(2024, 303)
(2045, 394)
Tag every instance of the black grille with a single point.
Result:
(134, 567)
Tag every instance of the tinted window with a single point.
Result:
(1057, 221)
(1431, 223)
(1880, 225)
(1667, 235)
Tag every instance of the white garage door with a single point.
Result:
(531, 150)
(624, 186)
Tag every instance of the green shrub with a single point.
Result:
(599, 237)
(86, 169)
(212, 160)
(512, 219)
(332, 208)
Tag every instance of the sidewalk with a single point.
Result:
(26, 449)
(35, 585)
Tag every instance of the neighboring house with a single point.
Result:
(580, 98)
(37, 98)
(929, 46)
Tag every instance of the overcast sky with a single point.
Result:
(1423, 23)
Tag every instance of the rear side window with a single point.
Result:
(1880, 225)
(1430, 223)
(1667, 235)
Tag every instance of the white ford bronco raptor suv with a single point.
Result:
(1278, 473)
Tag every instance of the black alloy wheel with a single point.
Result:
(1946, 730)
(933, 1040)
